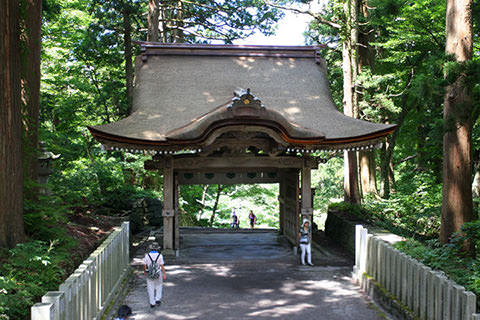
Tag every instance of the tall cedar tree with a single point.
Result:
(11, 169)
(366, 59)
(350, 96)
(117, 23)
(457, 160)
(31, 39)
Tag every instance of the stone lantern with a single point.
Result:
(45, 159)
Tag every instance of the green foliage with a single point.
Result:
(262, 199)
(27, 272)
(355, 210)
(43, 218)
(328, 183)
(451, 257)
(414, 210)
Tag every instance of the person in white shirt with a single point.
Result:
(154, 270)
(305, 237)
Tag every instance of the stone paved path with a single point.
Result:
(250, 276)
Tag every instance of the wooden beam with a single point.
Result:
(249, 177)
(195, 162)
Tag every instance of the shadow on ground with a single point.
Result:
(251, 275)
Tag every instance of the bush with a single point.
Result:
(43, 218)
(449, 258)
(28, 271)
(414, 210)
(103, 183)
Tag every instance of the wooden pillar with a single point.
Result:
(281, 199)
(307, 208)
(176, 244)
(168, 205)
(290, 205)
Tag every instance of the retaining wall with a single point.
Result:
(86, 294)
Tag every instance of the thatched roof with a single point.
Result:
(183, 93)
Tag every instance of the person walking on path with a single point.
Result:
(253, 219)
(305, 237)
(154, 269)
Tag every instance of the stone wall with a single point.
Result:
(340, 227)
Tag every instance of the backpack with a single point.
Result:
(153, 271)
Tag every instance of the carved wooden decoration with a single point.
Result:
(243, 98)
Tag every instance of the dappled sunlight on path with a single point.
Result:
(231, 284)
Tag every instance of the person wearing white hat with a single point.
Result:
(305, 242)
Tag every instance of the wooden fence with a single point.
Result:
(90, 289)
(426, 293)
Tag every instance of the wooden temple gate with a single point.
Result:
(243, 169)
(193, 111)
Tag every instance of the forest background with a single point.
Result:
(87, 79)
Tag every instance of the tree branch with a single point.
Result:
(316, 16)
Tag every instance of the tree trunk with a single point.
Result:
(457, 163)
(422, 138)
(180, 36)
(162, 24)
(153, 20)
(204, 196)
(366, 58)
(11, 168)
(367, 172)
(215, 206)
(31, 38)
(384, 162)
(350, 67)
(127, 42)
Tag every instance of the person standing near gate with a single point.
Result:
(305, 237)
(253, 219)
(154, 269)
(235, 223)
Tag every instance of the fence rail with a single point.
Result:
(89, 290)
(426, 293)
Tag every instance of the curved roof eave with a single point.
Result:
(183, 95)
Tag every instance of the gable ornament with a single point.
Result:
(243, 98)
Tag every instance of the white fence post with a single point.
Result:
(404, 278)
(358, 252)
(364, 251)
(439, 290)
(431, 295)
(57, 298)
(43, 311)
(469, 304)
(67, 289)
(427, 293)
(84, 294)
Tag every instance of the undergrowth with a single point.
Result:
(422, 240)
(451, 258)
(27, 272)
